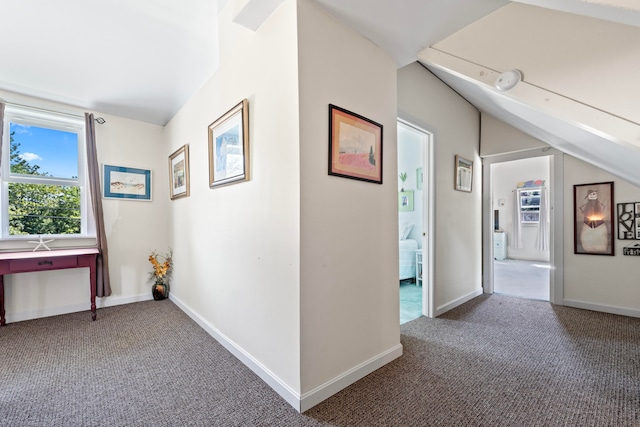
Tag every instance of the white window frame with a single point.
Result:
(51, 120)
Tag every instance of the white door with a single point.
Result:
(415, 145)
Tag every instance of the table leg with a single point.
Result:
(92, 283)
(2, 319)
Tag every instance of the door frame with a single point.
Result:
(556, 217)
(428, 238)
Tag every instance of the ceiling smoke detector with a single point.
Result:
(508, 80)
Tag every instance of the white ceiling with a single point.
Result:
(144, 59)
(140, 59)
(405, 27)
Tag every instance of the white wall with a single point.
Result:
(133, 228)
(498, 138)
(458, 239)
(596, 282)
(411, 152)
(237, 248)
(606, 283)
(349, 298)
(506, 177)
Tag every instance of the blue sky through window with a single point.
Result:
(55, 151)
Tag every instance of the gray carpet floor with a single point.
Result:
(495, 361)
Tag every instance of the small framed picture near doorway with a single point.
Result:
(405, 201)
(593, 219)
(179, 172)
(463, 174)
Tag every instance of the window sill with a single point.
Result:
(11, 244)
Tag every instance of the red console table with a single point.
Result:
(26, 262)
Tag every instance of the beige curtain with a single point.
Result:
(103, 288)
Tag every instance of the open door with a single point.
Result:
(415, 186)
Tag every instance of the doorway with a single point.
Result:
(414, 220)
(523, 214)
(521, 227)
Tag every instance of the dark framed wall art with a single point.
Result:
(593, 219)
(355, 146)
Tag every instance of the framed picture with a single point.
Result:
(419, 178)
(637, 221)
(405, 201)
(463, 174)
(593, 219)
(627, 221)
(121, 182)
(355, 146)
(179, 173)
(229, 147)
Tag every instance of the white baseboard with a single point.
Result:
(333, 386)
(308, 400)
(456, 302)
(73, 308)
(612, 309)
(287, 393)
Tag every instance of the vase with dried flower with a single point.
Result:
(162, 267)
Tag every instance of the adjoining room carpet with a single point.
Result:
(521, 278)
(494, 361)
(410, 301)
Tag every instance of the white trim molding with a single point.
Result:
(457, 302)
(299, 402)
(328, 389)
(611, 309)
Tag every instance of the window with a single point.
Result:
(43, 191)
(529, 206)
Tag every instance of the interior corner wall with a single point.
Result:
(596, 282)
(422, 97)
(131, 227)
(236, 247)
(349, 291)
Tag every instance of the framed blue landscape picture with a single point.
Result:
(121, 182)
(229, 147)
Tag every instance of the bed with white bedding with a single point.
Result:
(408, 249)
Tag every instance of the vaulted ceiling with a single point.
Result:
(578, 60)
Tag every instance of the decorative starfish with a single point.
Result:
(41, 243)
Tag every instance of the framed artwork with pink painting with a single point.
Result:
(355, 146)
